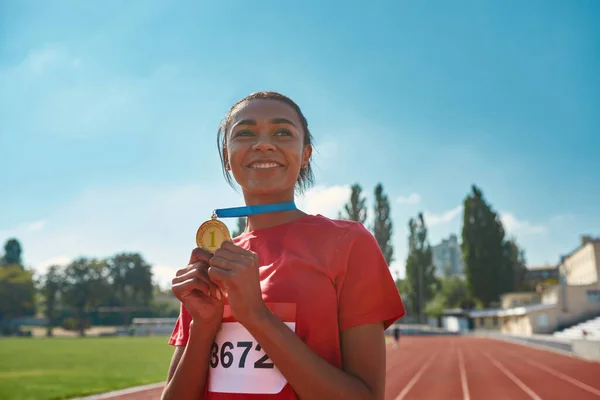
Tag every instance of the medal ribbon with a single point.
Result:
(253, 210)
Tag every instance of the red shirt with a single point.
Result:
(331, 272)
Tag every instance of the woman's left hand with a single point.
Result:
(236, 270)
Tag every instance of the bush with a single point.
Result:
(72, 324)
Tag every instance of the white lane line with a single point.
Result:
(463, 376)
(415, 378)
(516, 380)
(567, 378)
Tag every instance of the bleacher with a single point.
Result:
(591, 327)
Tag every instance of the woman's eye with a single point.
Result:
(283, 132)
(244, 132)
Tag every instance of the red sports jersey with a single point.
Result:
(319, 276)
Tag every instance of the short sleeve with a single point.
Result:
(181, 332)
(366, 289)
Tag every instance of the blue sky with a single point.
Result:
(109, 111)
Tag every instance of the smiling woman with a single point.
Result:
(296, 306)
(256, 119)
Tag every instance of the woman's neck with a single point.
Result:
(263, 221)
(268, 220)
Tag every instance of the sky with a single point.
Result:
(109, 112)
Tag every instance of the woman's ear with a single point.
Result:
(226, 160)
(306, 155)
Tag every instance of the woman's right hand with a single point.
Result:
(201, 297)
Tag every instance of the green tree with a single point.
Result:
(17, 292)
(356, 208)
(241, 226)
(130, 277)
(382, 224)
(420, 281)
(517, 264)
(487, 271)
(12, 253)
(85, 286)
(452, 294)
(52, 282)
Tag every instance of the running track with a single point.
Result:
(468, 368)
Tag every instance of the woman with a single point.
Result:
(307, 298)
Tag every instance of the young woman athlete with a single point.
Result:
(307, 297)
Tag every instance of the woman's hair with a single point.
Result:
(306, 177)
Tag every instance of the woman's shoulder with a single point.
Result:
(342, 232)
(333, 225)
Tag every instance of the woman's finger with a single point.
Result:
(187, 287)
(199, 254)
(198, 273)
(225, 263)
(220, 276)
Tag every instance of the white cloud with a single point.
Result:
(432, 219)
(36, 226)
(27, 227)
(413, 198)
(519, 227)
(43, 266)
(324, 200)
(41, 61)
(326, 150)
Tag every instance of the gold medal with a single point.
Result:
(211, 234)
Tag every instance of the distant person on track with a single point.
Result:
(396, 336)
(294, 307)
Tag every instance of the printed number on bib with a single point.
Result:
(225, 356)
(239, 364)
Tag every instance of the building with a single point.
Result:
(545, 275)
(573, 299)
(447, 257)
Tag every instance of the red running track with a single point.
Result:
(469, 368)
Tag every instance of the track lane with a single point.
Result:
(543, 383)
(441, 379)
(405, 363)
(587, 372)
(486, 380)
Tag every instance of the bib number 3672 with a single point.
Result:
(238, 364)
(225, 356)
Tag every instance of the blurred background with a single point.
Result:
(465, 135)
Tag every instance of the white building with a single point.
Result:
(447, 257)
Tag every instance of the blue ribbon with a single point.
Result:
(253, 210)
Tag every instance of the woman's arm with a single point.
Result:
(189, 366)
(311, 377)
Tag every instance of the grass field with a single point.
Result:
(62, 368)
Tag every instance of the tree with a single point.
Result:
(86, 286)
(421, 282)
(12, 253)
(17, 289)
(241, 226)
(517, 264)
(382, 224)
(452, 294)
(130, 277)
(487, 271)
(17, 292)
(52, 282)
(356, 208)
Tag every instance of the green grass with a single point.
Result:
(62, 368)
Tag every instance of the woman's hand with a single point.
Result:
(236, 270)
(201, 297)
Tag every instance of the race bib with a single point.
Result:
(238, 364)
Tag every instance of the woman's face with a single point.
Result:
(265, 149)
